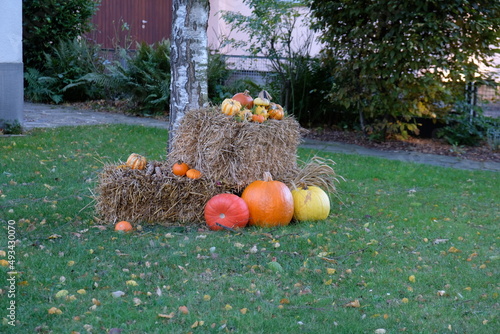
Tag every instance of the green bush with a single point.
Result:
(64, 65)
(47, 21)
(465, 130)
(141, 76)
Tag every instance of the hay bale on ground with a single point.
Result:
(232, 152)
(138, 196)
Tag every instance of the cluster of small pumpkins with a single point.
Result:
(182, 169)
(266, 203)
(137, 161)
(244, 108)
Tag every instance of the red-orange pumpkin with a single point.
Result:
(227, 210)
(270, 202)
(244, 98)
(124, 226)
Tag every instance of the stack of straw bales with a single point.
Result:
(229, 154)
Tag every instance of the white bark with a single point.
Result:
(189, 60)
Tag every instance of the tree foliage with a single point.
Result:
(271, 28)
(399, 58)
(46, 22)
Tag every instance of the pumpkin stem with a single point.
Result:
(246, 92)
(265, 95)
(268, 177)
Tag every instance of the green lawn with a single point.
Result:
(407, 248)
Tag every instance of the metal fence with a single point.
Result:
(257, 69)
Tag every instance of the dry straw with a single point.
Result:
(235, 152)
(230, 156)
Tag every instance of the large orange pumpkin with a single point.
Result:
(270, 202)
(227, 210)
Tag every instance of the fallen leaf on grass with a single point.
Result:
(131, 283)
(183, 309)
(116, 294)
(354, 303)
(54, 310)
(62, 293)
(166, 316)
(4, 263)
(197, 323)
(454, 250)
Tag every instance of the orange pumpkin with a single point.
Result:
(136, 161)
(258, 118)
(270, 202)
(193, 174)
(124, 226)
(227, 210)
(244, 99)
(180, 168)
(276, 111)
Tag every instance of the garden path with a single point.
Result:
(44, 116)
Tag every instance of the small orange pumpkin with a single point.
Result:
(230, 107)
(276, 111)
(180, 168)
(136, 161)
(193, 174)
(258, 118)
(270, 202)
(124, 226)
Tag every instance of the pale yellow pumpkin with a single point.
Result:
(310, 203)
(136, 161)
(230, 107)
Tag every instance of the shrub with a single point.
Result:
(141, 76)
(464, 129)
(64, 65)
(46, 21)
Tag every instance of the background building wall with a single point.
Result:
(11, 62)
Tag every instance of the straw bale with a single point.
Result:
(141, 196)
(236, 153)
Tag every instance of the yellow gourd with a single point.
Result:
(310, 203)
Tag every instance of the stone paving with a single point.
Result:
(43, 116)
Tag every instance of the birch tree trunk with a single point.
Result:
(189, 60)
